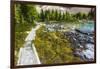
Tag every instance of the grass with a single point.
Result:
(19, 42)
(53, 48)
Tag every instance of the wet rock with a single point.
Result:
(83, 44)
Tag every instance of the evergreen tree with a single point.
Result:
(42, 15)
(56, 15)
(91, 14)
(59, 15)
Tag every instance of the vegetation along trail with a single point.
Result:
(28, 54)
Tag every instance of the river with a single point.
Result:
(84, 42)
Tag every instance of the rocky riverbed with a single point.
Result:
(82, 44)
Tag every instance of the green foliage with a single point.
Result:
(42, 16)
(25, 15)
(52, 47)
(28, 11)
(81, 16)
(55, 15)
(85, 16)
(23, 22)
(91, 14)
(19, 42)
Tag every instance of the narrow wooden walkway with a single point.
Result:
(28, 54)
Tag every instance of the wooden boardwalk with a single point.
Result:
(28, 54)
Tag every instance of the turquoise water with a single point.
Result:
(87, 27)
